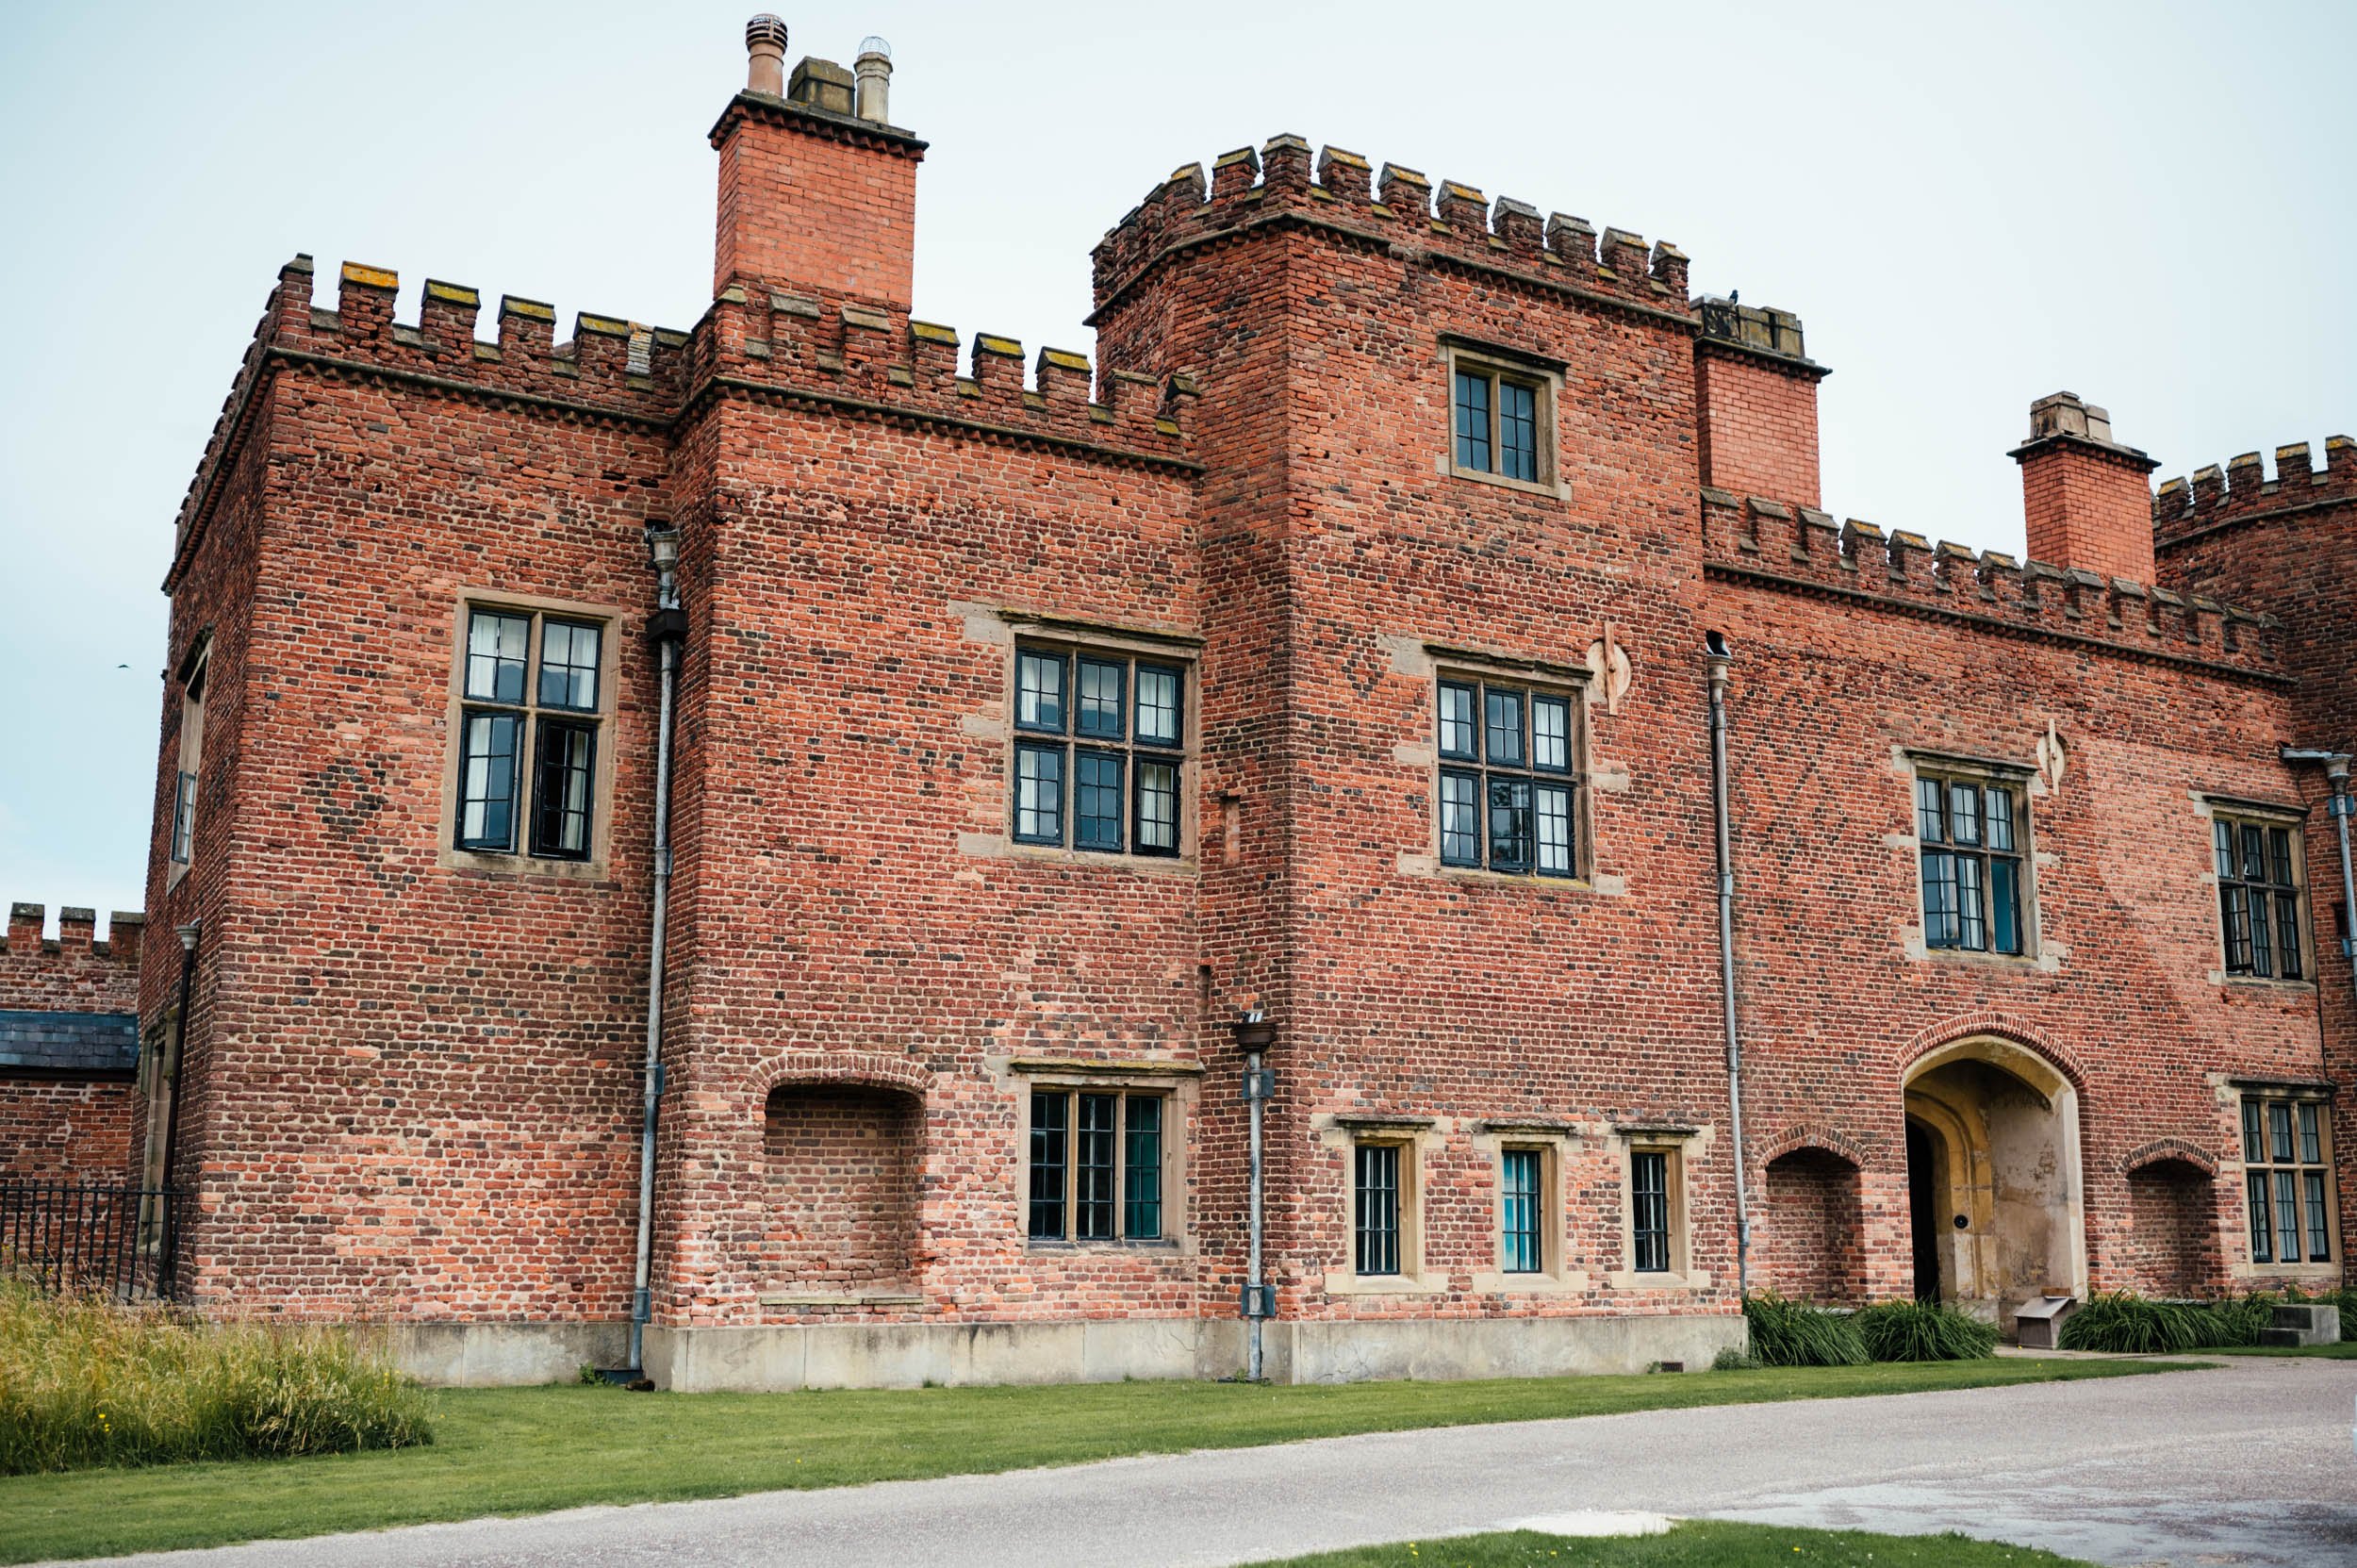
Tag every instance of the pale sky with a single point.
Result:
(1968, 206)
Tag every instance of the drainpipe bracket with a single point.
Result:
(668, 626)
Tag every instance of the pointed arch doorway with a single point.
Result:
(1995, 1200)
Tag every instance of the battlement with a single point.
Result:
(2241, 488)
(1804, 548)
(1446, 220)
(77, 933)
(836, 350)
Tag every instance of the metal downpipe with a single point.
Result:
(669, 625)
(1717, 656)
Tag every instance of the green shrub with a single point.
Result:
(1792, 1334)
(1924, 1331)
(84, 1383)
(1733, 1359)
(2128, 1324)
(2235, 1321)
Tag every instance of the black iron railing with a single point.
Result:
(91, 1236)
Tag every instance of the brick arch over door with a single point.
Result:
(1935, 1037)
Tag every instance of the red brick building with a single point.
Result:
(1338, 646)
(69, 1046)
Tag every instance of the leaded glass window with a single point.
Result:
(1521, 1247)
(1100, 750)
(1497, 423)
(2287, 1154)
(1095, 1168)
(1508, 790)
(531, 700)
(1376, 1208)
(1973, 833)
(2258, 898)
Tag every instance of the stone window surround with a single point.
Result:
(1000, 628)
(1686, 1147)
(2207, 808)
(520, 861)
(2038, 954)
(2231, 1092)
(1178, 1083)
(1430, 663)
(1557, 1143)
(1417, 1138)
(1544, 375)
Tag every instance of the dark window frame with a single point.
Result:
(554, 806)
(2263, 913)
(1975, 895)
(1515, 414)
(188, 762)
(1100, 1193)
(1382, 1197)
(1151, 768)
(1523, 1239)
(1653, 1209)
(1472, 777)
(2288, 1178)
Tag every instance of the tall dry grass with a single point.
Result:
(84, 1382)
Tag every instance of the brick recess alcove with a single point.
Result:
(840, 1163)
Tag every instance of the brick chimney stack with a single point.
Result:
(1756, 394)
(2087, 498)
(818, 193)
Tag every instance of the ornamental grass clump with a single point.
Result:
(1924, 1331)
(2125, 1323)
(1793, 1333)
(84, 1382)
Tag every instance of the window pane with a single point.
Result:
(2279, 856)
(1649, 1178)
(1142, 1168)
(1039, 794)
(1930, 820)
(2262, 936)
(1999, 817)
(565, 770)
(1039, 692)
(2004, 903)
(496, 646)
(1554, 831)
(2254, 1132)
(1093, 1168)
(2224, 834)
(2319, 1237)
(2262, 1231)
(1971, 919)
(2287, 936)
(183, 816)
(1456, 723)
(1048, 1166)
(568, 666)
(2287, 1216)
(2311, 1137)
(1100, 699)
(1551, 735)
(1473, 421)
(487, 781)
(1940, 926)
(1160, 723)
(2254, 856)
(2280, 1132)
(1518, 432)
(1158, 809)
(1377, 1192)
(1505, 737)
(1097, 800)
(1520, 1249)
(1509, 825)
(1964, 813)
(1460, 831)
(2234, 912)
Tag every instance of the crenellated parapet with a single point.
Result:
(858, 358)
(1752, 537)
(2242, 489)
(1445, 221)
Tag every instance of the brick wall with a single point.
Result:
(1757, 431)
(1805, 1230)
(2088, 507)
(842, 1167)
(65, 1107)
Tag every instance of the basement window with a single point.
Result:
(2259, 897)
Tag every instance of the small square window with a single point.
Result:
(498, 646)
(1500, 422)
(568, 666)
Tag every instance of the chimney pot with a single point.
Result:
(764, 51)
(874, 70)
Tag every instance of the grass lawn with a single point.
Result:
(1699, 1544)
(529, 1450)
(2344, 1351)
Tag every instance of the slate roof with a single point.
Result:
(69, 1042)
